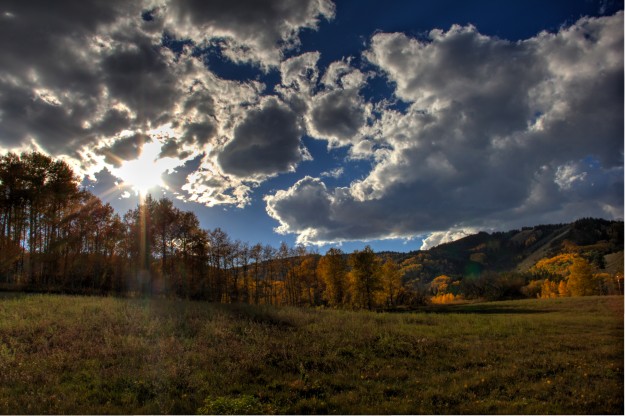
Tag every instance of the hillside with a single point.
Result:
(597, 240)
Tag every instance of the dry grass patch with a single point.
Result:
(63, 354)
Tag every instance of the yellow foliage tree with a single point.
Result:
(445, 298)
(549, 289)
(365, 277)
(563, 289)
(440, 284)
(390, 275)
(557, 265)
(332, 269)
(581, 280)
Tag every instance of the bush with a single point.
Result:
(494, 286)
(242, 405)
(532, 289)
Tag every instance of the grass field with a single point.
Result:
(62, 354)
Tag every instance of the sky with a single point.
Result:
(400, 124)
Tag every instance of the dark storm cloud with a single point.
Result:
(26, 115)
(112, 122)
(265, 143)
(494, 136)
(202, 102)
(199, 133)
(137, 73)
(492, 131)
(53, 90)
(170, 148)
(195, 136)
(338, 115)
(177, 178)
(41, 38)
(127, 148)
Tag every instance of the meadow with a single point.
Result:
(91, 355)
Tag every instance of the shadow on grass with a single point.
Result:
(259, 314)
(482, 309)
(11, 295)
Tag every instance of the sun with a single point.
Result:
(144, 173)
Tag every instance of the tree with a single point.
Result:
(244, 254)
(164, 217)
(581, 281)
(554, 267)
(219, 248)
(365, 277)
(532, 289)
(12, 216)
(440, 284)
(332, 269)
(186, 229)
(549, 289)
(307, 272)
(269, 271)
(256, 254)
(390, 276)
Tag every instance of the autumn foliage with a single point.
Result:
(570, 274)
(56, 237)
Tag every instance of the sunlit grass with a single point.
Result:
(62, 354)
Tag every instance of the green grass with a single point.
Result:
(64, 354)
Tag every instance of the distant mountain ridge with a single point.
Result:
(597, 240)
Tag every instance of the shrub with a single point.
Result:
(532, 289)
(242, 405)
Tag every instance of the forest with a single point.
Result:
(56, 237)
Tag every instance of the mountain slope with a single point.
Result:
(517, 250)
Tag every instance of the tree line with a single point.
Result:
(56, 237)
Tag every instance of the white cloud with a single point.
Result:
(100, 84)
(493, 130)
(489, 123)
(248, 31)
(333, 107)
(567, 175)
(300, 72)
(334, 173)
(442, 237)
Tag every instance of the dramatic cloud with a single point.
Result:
(495, 133)
(256, 31)
(139, 75)
(265, 143)
(126, 148)
(52, 93)
(95, 81)
(337, 116)
(300, 72)
(481, 131)
(308, 199)
(333, 107)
